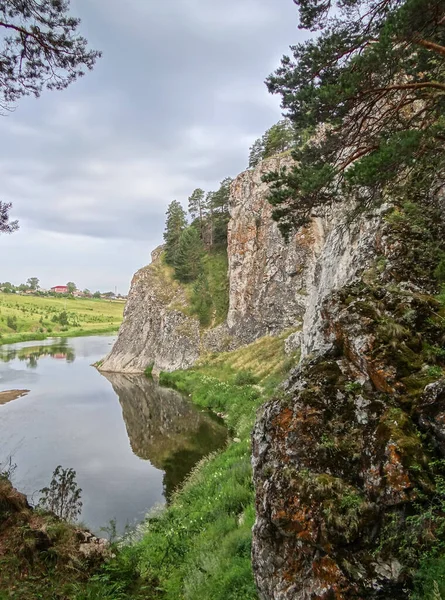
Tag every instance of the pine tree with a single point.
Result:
(279, 138)
(202, 299)
(375, 77)
(189, 255)
(175, 225)
(197, 208)
(256, 153)
(219, 208)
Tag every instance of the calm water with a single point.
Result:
(130, 441)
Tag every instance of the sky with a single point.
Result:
(174, 104)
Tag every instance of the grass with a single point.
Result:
(28, 318)
(200, 545)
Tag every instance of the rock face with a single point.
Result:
(268, 281)
(345, 458)
(155, 331)
(268, 278)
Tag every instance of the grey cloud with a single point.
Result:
(174, 104)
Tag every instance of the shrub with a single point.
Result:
(11, 322)
(245, 378)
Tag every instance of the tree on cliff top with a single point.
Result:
(175, 225)
(279, 138)
(375, 77)
(41, 48)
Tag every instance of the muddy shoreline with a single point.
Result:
(11, 395)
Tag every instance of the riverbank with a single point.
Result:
(42, 556)
(40, 337)
(32, 318)
(199, 546)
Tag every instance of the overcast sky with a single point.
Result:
(174, 104)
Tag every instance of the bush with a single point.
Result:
(245, 378)
(11, 322)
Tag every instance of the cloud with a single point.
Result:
(174, 104)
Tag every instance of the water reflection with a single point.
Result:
(61, 350)
(164, 428)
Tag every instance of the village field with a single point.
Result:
(26, 318)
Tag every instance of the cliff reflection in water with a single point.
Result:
(165, 428)
(31, 354)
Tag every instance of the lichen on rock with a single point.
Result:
(346, 459)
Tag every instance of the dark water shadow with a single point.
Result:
(165, 428)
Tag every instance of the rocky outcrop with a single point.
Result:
(268, 278)
(348, 484)
(156, 331)
(273, 285)
(268, 283)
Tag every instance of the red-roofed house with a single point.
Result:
(60, 289)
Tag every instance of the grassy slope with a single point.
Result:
(35, 317)
(199, 547)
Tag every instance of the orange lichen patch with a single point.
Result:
(284, 419)
(328, 573)
(381, 377)
(395, 474)
(305, 237)
(307, 416)
(293, 517)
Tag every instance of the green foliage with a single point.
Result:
(245, 378)
(11, 322)
(200, 546)
(430, 580)
(374, 76)
(33, 283)
(149, 371)
(201, 300)
(218, 214)
(439, 272)
(210, 295)
(175, 225)
(197, 207)
(71, 287)
(188, 256)
(279, 138)
(45, 50)
(63, 496)
(63, 318)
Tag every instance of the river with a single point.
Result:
(130, 441)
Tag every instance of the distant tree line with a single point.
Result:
(33, 285)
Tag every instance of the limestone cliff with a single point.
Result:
(345, 458)
(156, 330)
(346, 469)
(269, 282)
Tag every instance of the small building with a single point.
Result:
(60, 289)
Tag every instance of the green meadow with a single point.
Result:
(25, 318)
